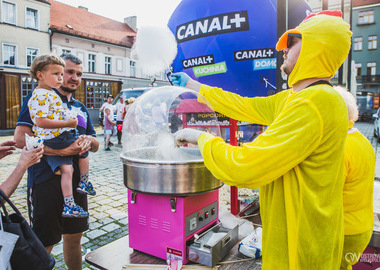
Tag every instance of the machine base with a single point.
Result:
(162, 225)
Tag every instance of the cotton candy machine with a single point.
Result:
(172, 196)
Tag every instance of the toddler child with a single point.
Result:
(48, 116)
(108, 127)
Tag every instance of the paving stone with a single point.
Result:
(105, 221)
(84, 240)
(95, 233)
(123, 221)
(57, 249)
(111, 227)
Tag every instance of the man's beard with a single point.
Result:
(68, 90)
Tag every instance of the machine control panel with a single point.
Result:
(201, 218)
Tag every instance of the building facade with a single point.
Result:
(366, 55)
(24, 32)
(32, 27)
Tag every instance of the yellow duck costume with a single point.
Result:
(298, 162)
(357, 196)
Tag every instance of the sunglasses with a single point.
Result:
(290, 40)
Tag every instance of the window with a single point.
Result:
(107, 65)
(96, 93)
(366, 17)
(91, 62)
(358, 43)
(358, 69)
(132, 68)
(372, 42)
(31, 18)
(30, 55)
(9, 55)
(371, 69)
(64, 51)
(8, 14)
(28, 84)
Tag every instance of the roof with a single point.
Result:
(79, 22)
(358, 3)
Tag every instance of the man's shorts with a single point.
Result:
(45, 206)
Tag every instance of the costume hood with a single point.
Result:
(326, 41)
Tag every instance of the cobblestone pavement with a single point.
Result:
(108, 209)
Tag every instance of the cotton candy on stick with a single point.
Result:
(155, 49)
(32, 142)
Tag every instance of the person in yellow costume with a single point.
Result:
(298, 162)
(359, 180)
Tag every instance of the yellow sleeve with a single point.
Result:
(258, 110)
(295, 133)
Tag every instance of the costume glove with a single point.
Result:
(187, 135)
(179, 79)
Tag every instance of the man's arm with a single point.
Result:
(19, 135)
(74, 149)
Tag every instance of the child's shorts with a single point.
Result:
(108, 131)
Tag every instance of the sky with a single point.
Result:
(148, 12)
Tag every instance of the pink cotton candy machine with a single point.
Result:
(172, 196)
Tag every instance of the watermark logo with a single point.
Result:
(352, 257)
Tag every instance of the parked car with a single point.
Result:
(376, 125)
(126, 93)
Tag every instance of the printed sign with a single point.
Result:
(253, 54)
(198, 61)
(174, 258)
(264, 64)
(210, 69)
(213, 25)
(207, 119)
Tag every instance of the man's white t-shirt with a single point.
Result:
(119, 108)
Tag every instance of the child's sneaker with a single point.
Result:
(75, 211)
(86, 188)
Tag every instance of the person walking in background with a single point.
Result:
(128, 102)
(107, 104)
(358, 187)
(298, 162)
(50, 125)
(44, 187)
(108, 127)
(27, 159)
(119, 108)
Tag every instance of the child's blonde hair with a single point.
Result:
(350, 100)
(42, 61)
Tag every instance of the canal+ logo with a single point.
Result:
(213, 25)
(198, 61)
